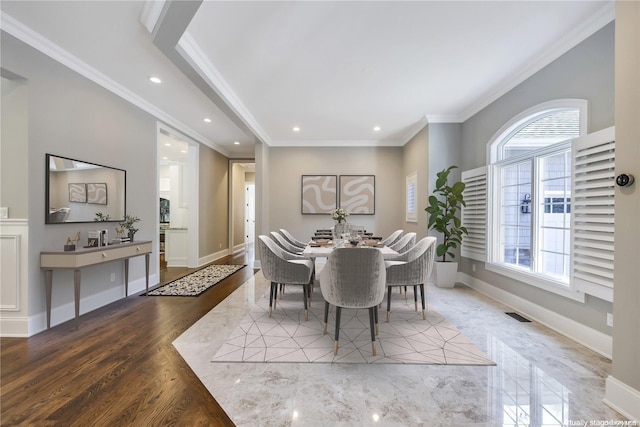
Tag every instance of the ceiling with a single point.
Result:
(336, 70)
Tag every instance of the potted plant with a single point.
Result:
(129, 225)
(444, 210)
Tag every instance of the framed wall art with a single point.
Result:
(319, 194)
(358, 194)
(97, 193)
(77, 193)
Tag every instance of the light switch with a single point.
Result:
(4, 213)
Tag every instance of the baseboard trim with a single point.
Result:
(14, 327)
(595, 340)
(622, 398)
(212, 257)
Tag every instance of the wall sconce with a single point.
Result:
(525, 207)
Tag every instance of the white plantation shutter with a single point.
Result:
(474, 215)
(592, 209)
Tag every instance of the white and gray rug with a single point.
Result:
(287, 337)
(197, 282)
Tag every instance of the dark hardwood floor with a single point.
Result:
(115, 366)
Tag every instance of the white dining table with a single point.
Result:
(324, 250)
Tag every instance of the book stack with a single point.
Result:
(117, 240)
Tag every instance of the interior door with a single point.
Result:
(249, 214)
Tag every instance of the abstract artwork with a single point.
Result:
(78, 193)
(319, 194)
(97, 193)
(358, 194)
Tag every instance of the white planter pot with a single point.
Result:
(446, 274)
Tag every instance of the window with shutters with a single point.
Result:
(412, 191)
(530, 204)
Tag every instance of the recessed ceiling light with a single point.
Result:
(296, 129)
(376, 129)
(236, 142)
(165, 158)
(154, 79)
(167, 144)
(183, 151)
(207, 120)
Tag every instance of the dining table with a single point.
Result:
(322, 249)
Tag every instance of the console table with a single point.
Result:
(84, 257)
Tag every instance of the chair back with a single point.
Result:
(417, 266)
(283, 243)
(354, 278)
(405, 243)
(394, 237)
(291, 239)
(269, 253)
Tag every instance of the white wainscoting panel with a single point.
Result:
(14, 246)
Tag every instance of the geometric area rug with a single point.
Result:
(197, 282)
(287, 337)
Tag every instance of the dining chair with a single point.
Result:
(353, 278)
(282, 267)
(405, 243)
(394, 237)
(284, 244)
(292, 239)
(411, 268)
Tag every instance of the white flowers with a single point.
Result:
(340, 214)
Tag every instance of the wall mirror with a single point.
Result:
(77, 190)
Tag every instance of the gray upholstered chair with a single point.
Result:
(282, 267)
(292, 239)
(405, 243)
(284, 244)
(411, 268)
(394, 237)
(353, 278)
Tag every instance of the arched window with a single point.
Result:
(530, 204)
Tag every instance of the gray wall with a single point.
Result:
(587, 72)
(415, 159)
(14, 178)
(73, 117)
(285, 166)
(70, 116)
(626, 331)
(213, 217)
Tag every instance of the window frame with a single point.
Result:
(494, 196)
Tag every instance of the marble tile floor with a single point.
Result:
(541, 377)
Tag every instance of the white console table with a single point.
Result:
(84, 257)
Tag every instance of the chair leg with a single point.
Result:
(375, 314)
(424, 313)
(337, 336)
(271, 290)
(326, 317)
(405, 294)
(389, 302)
(373, 333)
(415, 296)
(275, 296)
(305, 292)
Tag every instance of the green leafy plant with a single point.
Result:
(444, 210)
(100, 217)
(129, 225)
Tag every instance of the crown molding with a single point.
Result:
(336, 143)
(151, 12)
(198, 60)
(414, 129)
(37, 41)
(599, 19)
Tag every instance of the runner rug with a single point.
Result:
(287, 337)
(197, 282)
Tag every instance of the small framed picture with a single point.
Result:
(97, 193)
(78, 193)
(319, 195)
